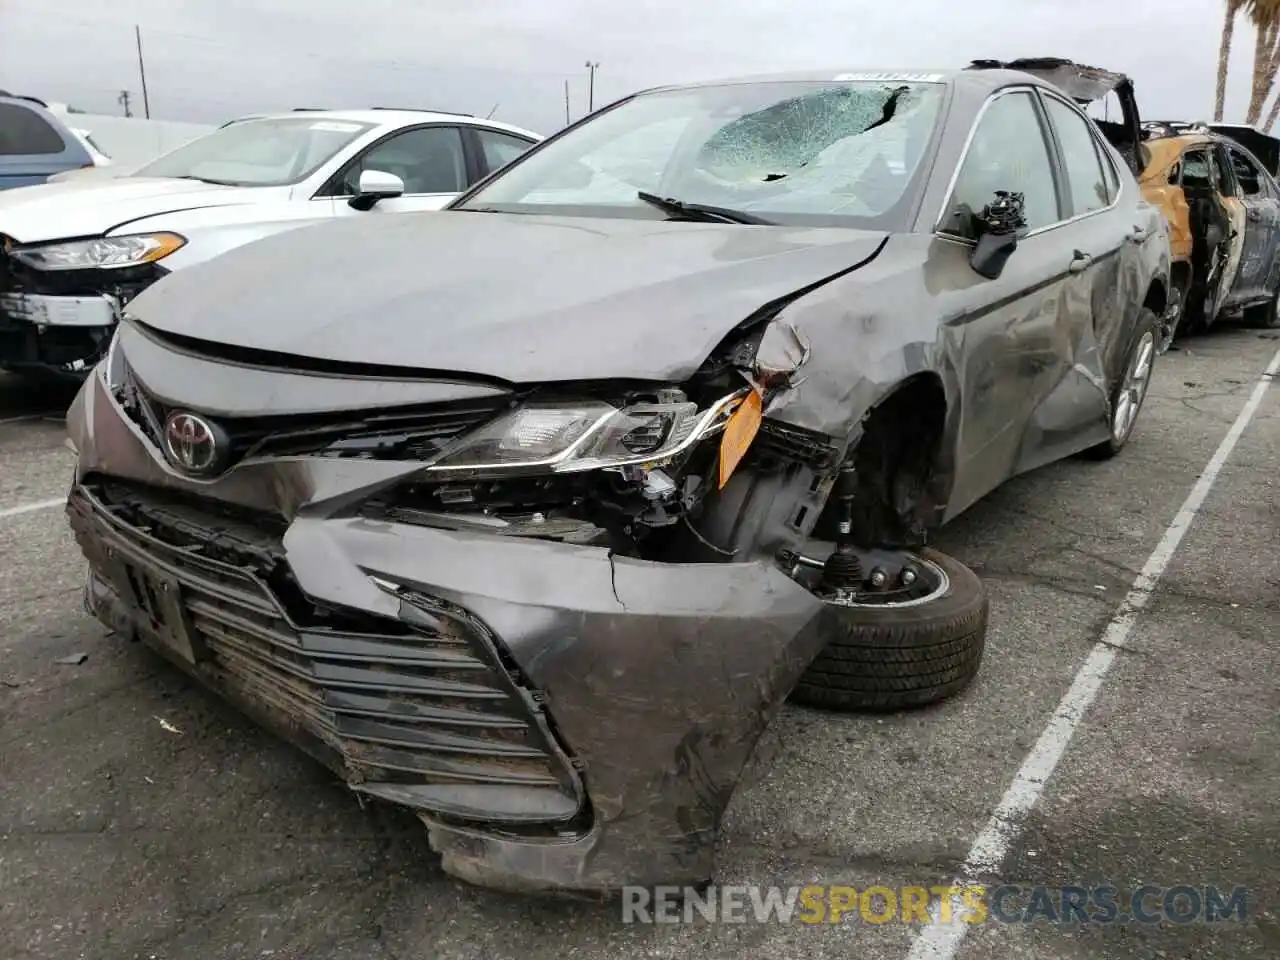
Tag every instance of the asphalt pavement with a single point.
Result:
(142, 818)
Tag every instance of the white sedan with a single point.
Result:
(73, 253)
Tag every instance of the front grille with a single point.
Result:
(415, 433)
(420, 709)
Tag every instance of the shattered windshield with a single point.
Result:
(846, 153)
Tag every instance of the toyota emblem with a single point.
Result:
(193, 444)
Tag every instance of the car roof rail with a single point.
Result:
(18, 96)
(1034, 63)
(451, 113)
(309, 109)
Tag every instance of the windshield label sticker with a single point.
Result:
(896, 77)
(335, 126)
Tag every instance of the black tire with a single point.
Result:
(1148, 323)
(1266, 316)
(880, 659)
(1172, 319)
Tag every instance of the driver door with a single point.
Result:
(1011, 354)
(431, 161)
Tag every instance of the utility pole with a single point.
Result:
(123, 100)
(142, 72)
(591, 84)
(567, 121)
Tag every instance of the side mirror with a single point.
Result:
(375, 185)
(998, 228)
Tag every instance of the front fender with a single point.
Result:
(868, 334)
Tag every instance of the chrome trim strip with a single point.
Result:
(964, 155)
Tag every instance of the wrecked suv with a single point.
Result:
(535, 543)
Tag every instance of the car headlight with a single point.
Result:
(103, 253)
(572, 437)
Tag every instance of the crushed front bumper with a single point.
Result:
(559, 717)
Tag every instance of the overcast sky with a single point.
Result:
(209, 60)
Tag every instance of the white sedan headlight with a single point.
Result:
(104, 253)
(572, 437)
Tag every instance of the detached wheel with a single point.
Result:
(1130, 391)
(900, 655)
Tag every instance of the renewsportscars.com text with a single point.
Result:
(1007, 903)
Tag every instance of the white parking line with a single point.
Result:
(31, 507)
(940, 941)
(27, 416)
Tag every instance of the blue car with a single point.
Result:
(34, 144)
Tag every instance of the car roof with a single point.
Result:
(978, 79)
(389, 117)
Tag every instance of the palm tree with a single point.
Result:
(1224, 54)
(1265, 16)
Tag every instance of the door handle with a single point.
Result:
(1080, 262)
(1138, 235)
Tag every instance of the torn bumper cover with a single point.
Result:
(60, 322)
(560, 717)
(64, 335)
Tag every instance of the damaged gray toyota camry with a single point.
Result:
(527, 515)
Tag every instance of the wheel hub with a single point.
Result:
(885, 578)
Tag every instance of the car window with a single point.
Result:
(1109, 172)
(633, 161)
(1085, 178)
(1007, 152)
(1195, 170)
(264, 152)
(500, 148)
(24, 132)
(1247, 175)
(428, 160)
(841, 152)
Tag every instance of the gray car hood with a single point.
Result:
(524, 299)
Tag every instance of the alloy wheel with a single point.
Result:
(1136, 381)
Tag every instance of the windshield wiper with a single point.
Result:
(701, 211)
